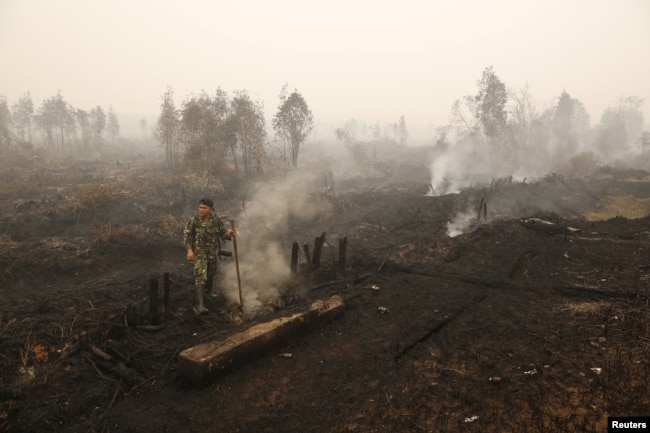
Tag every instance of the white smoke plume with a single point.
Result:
(461, 223)
(469, 163)
(264, 251)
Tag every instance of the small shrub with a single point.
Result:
(170, 226)
(358, 151)
(581, 165)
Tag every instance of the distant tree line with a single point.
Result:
(362, 140)
(507, 124)
(208, 133)
(63, 129)
(510, 121)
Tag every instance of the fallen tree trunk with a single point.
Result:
(203, 363)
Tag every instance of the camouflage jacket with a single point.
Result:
(202, 236)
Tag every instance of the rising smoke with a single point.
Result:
(475, 163)
(274, 210)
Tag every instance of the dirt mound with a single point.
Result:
(530, 317)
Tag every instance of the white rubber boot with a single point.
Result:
(209, 289)
(199, 308)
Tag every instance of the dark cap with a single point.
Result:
(207, 202)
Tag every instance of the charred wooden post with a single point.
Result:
(166, 292)
(485, 211)
(480, 208)
(307, 256)
(318, 247)
(343, 246)
(294, 257)
(153, 300)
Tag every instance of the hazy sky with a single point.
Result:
(369, 59)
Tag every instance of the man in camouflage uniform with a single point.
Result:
(201, 237)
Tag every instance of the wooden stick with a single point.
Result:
(383, 263)
(153, 300)
(117, 367)
(234, 245)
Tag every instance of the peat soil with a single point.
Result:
(532, 319)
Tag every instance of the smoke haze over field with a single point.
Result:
(371, 60)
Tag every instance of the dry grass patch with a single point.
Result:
(623, 206)
(6, 243)
(200, 182)
(19, 183)
(91, 197)
(109, 233)
(644, 179)
(586, 308)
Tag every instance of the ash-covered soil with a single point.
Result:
(532, 318)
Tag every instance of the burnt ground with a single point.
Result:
(515, 325)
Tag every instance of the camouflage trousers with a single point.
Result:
(205, 268)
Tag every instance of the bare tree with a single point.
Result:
(620, 127)
(97, 125)
(45, 122)
(56, 120)
(401, 131)
(227, 130)
(82, 119)
(465, 117)
(570, 125)
(524, 117)
(167, 129)
(143, 126)
(202, 119)
(644, 141)
(194, 120)
(113, 127)
(484, 114)
(293, 122)
(528, 131)
(491, 99)
(5, 123)
(23, 111)
(358, 148)
(249, 125)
